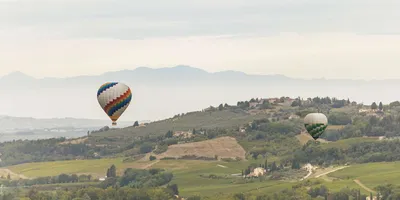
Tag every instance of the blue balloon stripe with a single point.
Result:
(120, 105)
(105, 87)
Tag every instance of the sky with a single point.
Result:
(355, 39)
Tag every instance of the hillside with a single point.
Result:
(266, 135)
(223, 147)
(194, 120)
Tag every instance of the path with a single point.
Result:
(222, 166)
(309, 168)
(4, 172)
(151, 164)
(328, 172)
(363, 186)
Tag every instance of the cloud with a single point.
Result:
(301, 38)
(133, 19)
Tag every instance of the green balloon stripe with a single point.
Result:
(315, 130)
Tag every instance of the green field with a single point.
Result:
(346, 143)
(94, 167)
(190, 175)
(191, 183)
(186, 173)
(372, 174)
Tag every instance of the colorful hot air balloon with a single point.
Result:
(114, 98)
(315, 124)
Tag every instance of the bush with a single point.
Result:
(161, 149)
(168, 158)
(339, 119)
(146, 148)
(152, 158)
(194, 157)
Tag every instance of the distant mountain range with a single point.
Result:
(171, 76)
(8, 123)
(162, 93)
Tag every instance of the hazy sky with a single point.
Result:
(297, 38)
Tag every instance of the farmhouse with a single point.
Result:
(184, 134)
(273, 100)
(253, 104)
(257, 172)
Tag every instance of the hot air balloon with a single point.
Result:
(114, 98)
(315, 124)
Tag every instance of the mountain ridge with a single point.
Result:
(180, 69)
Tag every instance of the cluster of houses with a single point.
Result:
(257, 172)
(184, 134)
(283, 100)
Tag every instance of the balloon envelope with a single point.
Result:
(315, 124)
(114, 98)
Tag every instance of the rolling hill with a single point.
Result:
(223, 147)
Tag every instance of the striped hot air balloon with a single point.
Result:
(315, 124)
(114, 98)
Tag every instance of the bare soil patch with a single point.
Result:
(223, 147)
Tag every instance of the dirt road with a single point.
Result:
(4, 172)
(363, 186)
(328, 172)
(151, 164)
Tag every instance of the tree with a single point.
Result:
(9, 177)
(295, 103)
(239, 196)
(274, 167)
(394, 104)
(265, 163)
(145, 148)
(86, 197)
(152, 158)
(295, 164)
(112, 172)
(169, 134)
(374, 106)
(174, 189)
(380, 106)
(136, 124)
(220, 107)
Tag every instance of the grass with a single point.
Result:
(372, 174)
(346, 143)
(191, 183)
(197, 120)
(187, 174)
(95, 167)
(334, 127)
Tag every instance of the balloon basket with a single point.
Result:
(114, 123)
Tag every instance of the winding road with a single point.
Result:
(363, 186)
(331, 171)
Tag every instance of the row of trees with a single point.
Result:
(136, 178)
(62, 178)
(304, 190)
(374, 106)
(316, 101)
(93, 193)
